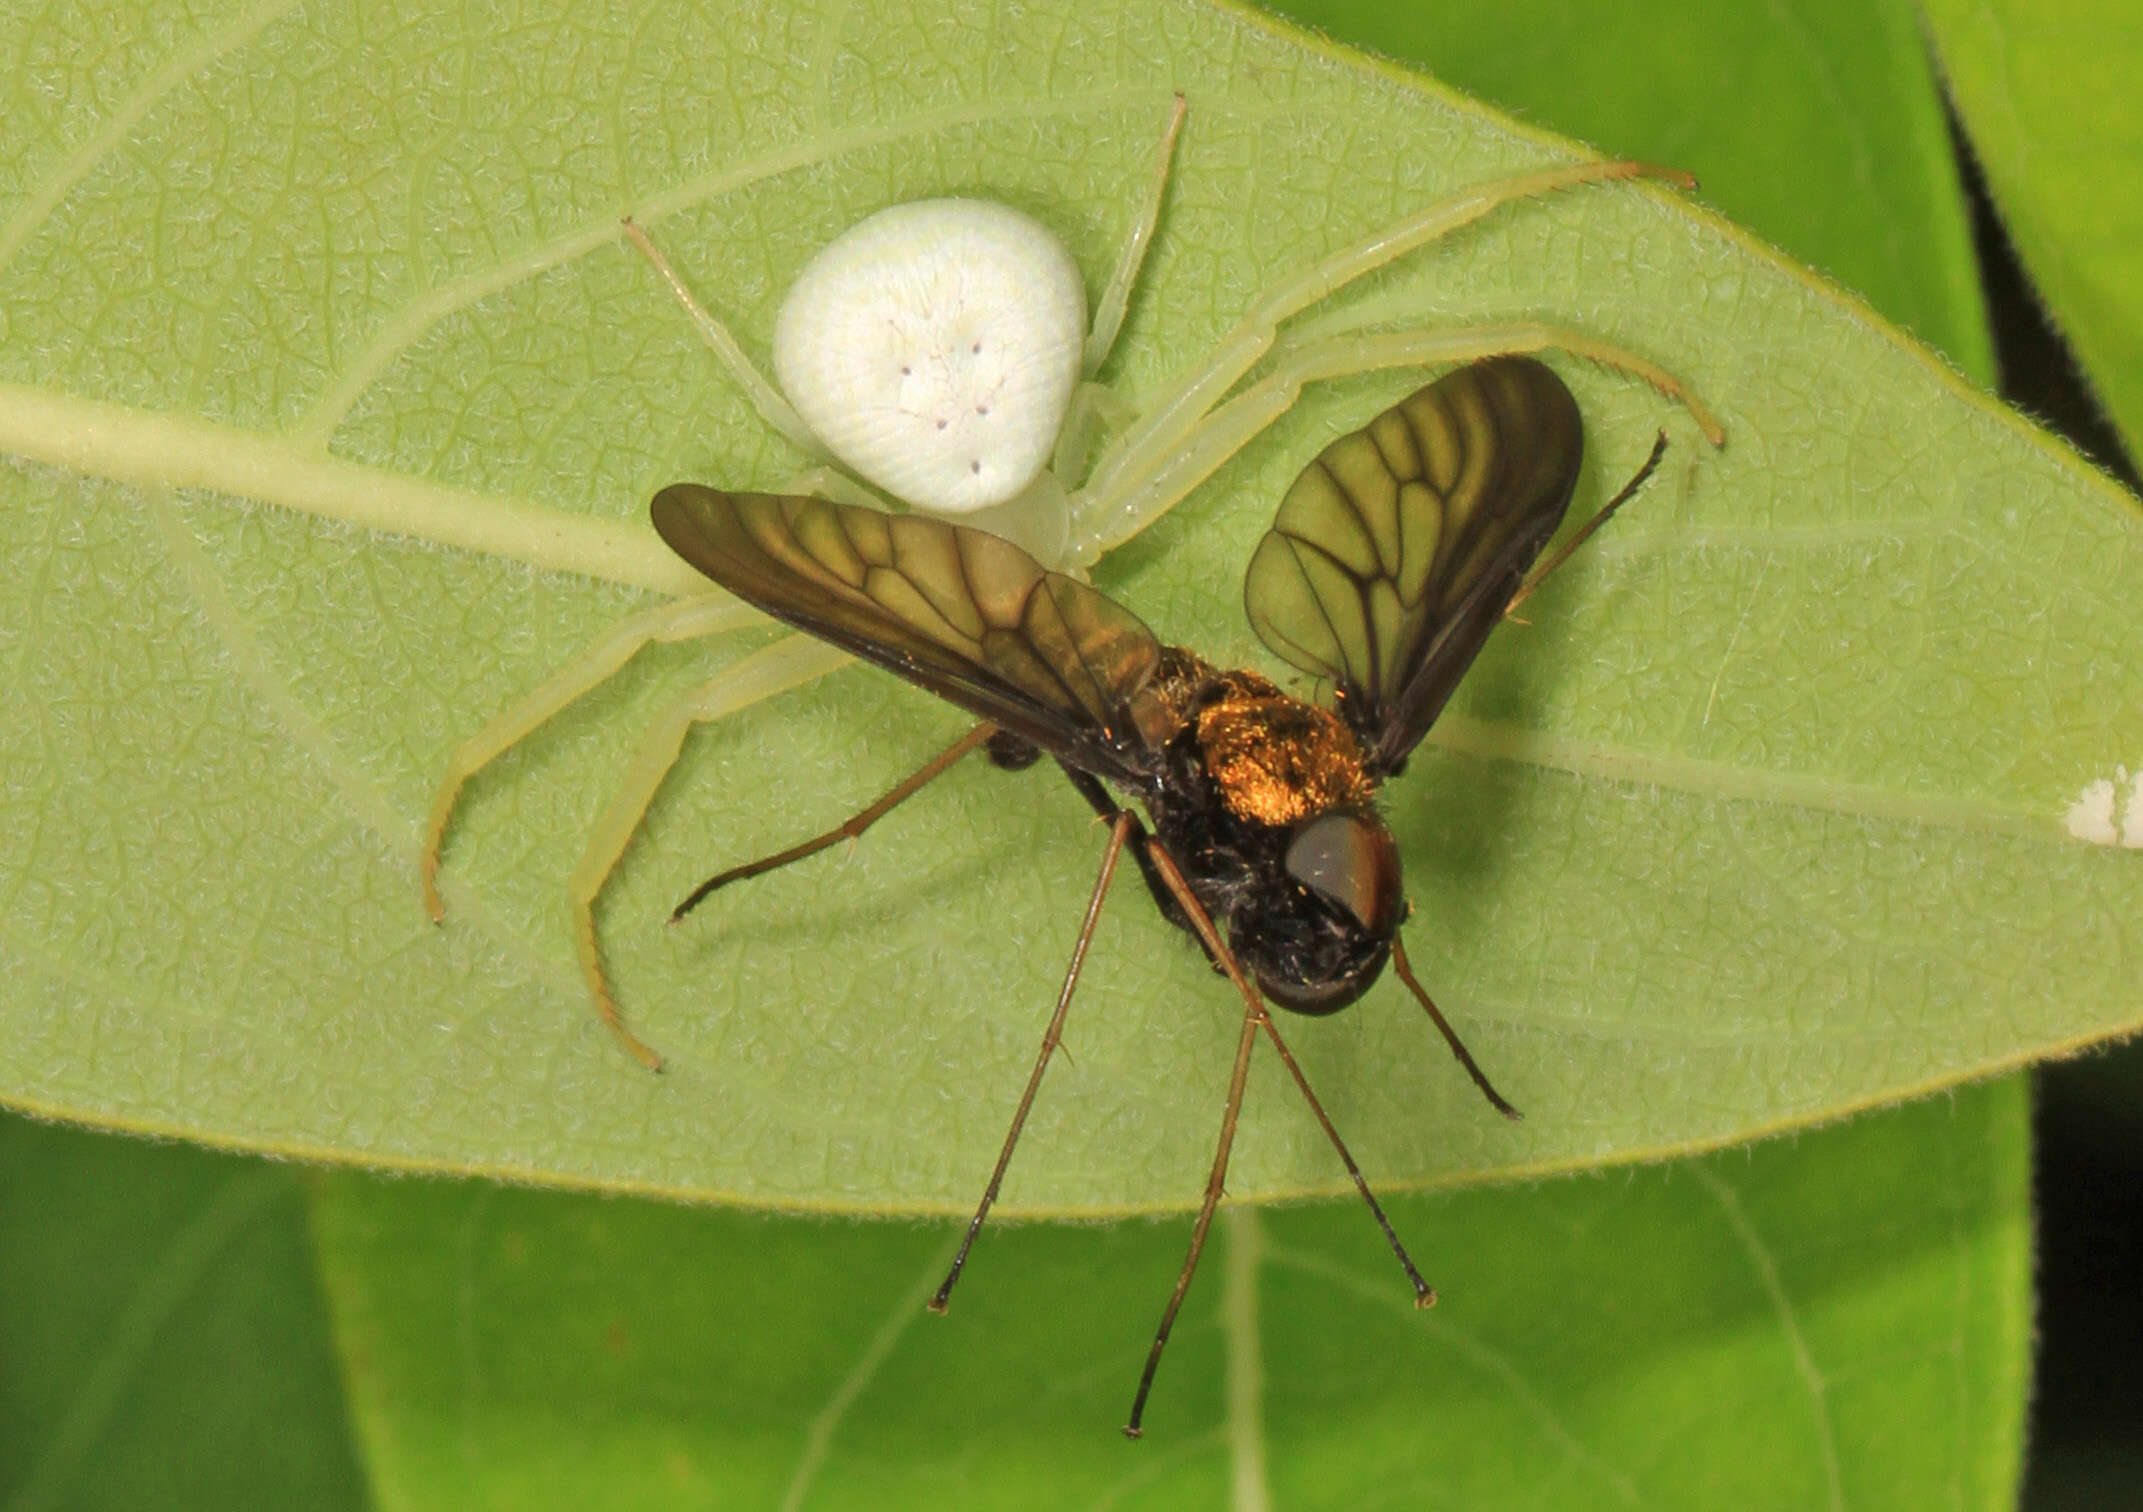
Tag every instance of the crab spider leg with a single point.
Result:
(768, 400)
(684, 619)
(1116, 298)
(1102, 521)
(789, 663)
(1154, 439)
(832, 484)
(679, 620)
(1093, 406)
(1342, 354)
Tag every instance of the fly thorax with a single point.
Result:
(1277, 761)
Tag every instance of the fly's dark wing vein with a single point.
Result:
(1394, 553)
(963, 613)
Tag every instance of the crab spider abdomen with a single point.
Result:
(934, 348)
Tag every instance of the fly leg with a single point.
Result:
(1255, 1019)
(1141, 846)
(848, 829)
(1534, 578)
(1051, 1038)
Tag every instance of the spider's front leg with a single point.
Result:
(1192, 427)
(1223, 433)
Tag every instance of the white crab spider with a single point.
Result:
(947, 383)
(924, 416)
(941, 350)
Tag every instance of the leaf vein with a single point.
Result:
(177, 70)
(1789, 1325)
(402, 332)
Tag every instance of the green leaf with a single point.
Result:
(1758, 821)
(163, 1342)
(2046, 93)
(1838, 1322)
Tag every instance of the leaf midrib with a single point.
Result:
(142, 448)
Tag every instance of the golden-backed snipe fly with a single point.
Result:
(1392, 557)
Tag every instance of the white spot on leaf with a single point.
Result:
(2109, 811)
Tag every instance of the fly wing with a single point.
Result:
(961, 612)
(1394, 553)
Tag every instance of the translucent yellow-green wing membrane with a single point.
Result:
(963, 613)
(1394, 553)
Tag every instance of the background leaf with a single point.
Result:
(163, 1342)
(2046, 95)
(1848, 163)
(1828, 1322)
(2041, 99)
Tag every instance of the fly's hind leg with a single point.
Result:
(788, 663)
(1122, 824)
(1255, 1018)
(1585, 531)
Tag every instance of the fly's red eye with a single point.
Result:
(1350, 858)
